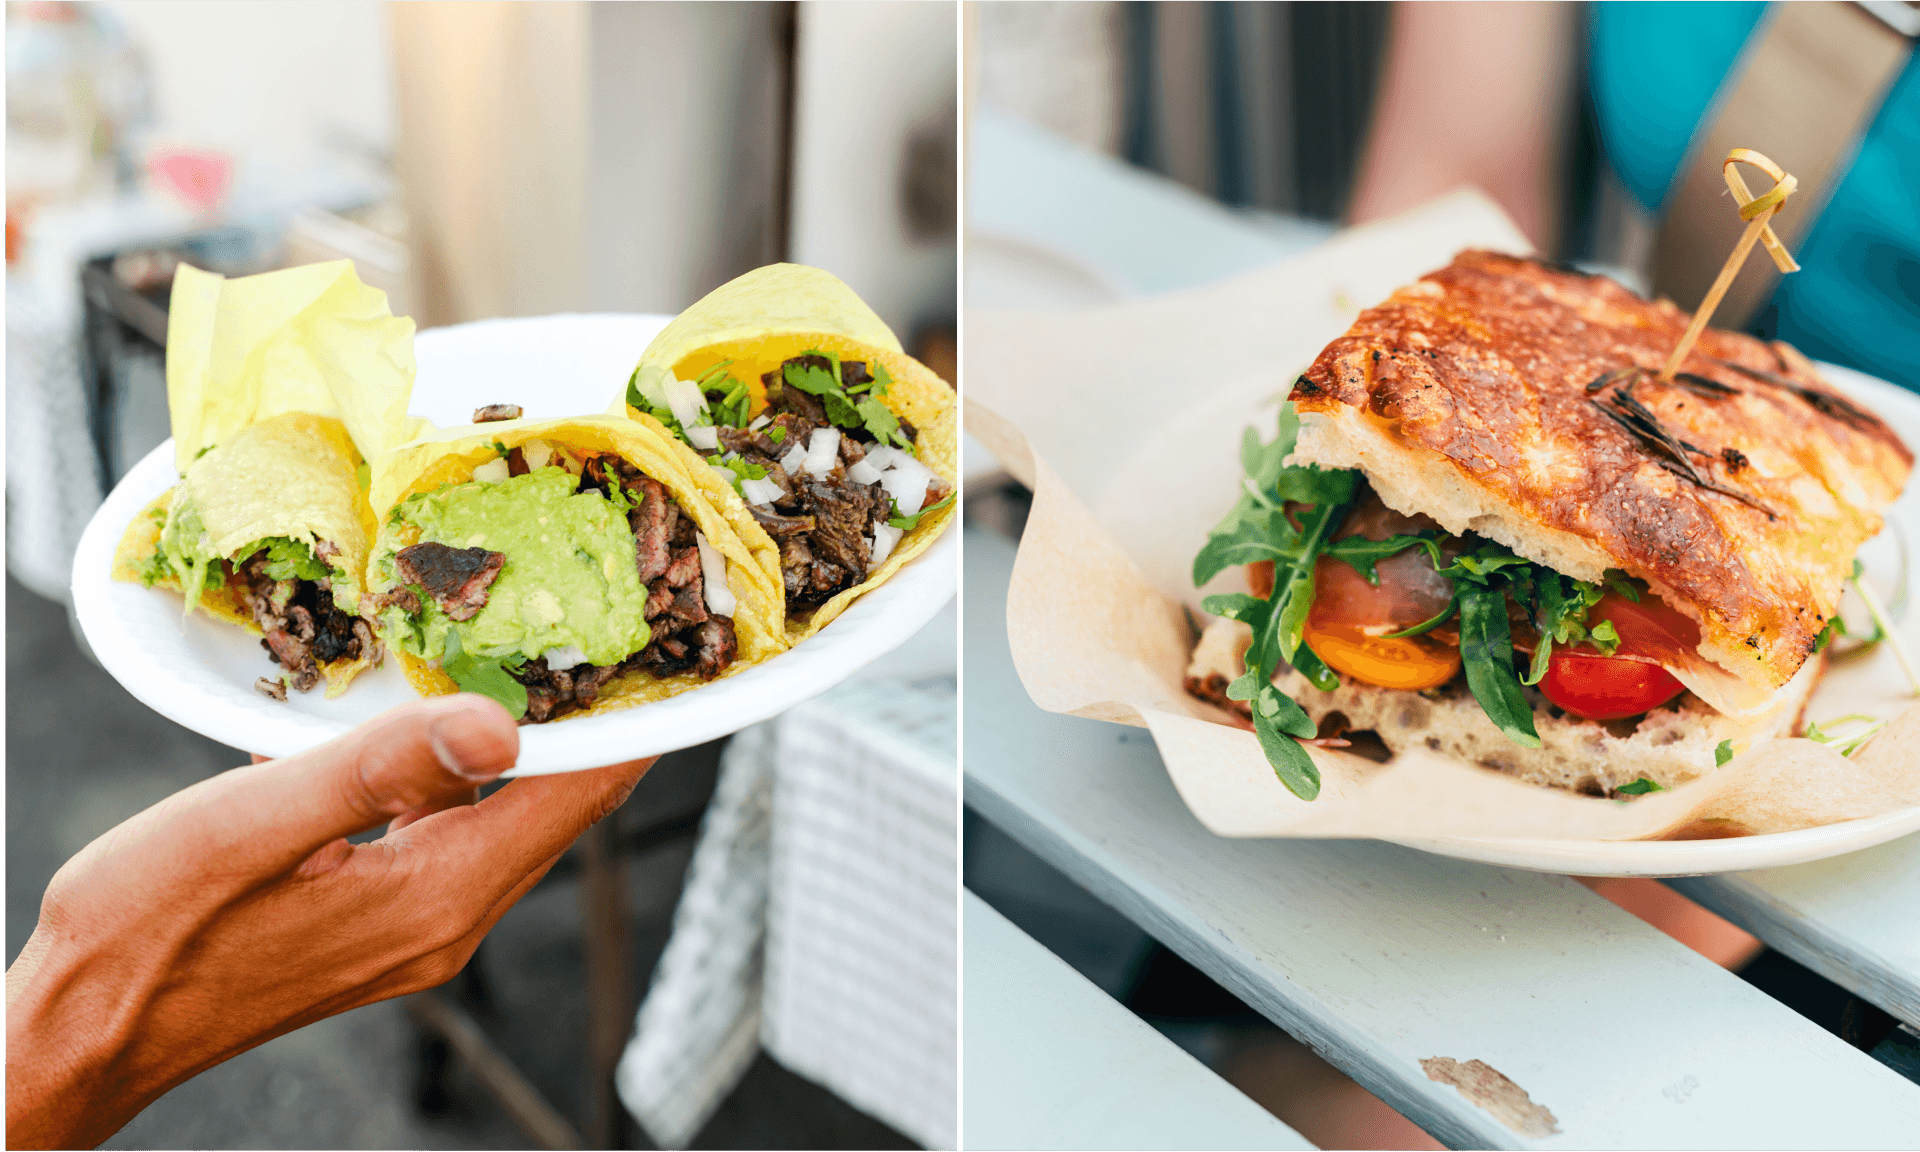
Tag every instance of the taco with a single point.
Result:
(837, 449)
(278, 386)
(563, 567)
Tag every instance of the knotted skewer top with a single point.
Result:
(1756, 210)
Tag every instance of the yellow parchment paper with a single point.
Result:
(1124, 421)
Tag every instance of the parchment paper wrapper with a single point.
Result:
(1124, 422)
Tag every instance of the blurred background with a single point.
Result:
(1122, 149)
(479, 160)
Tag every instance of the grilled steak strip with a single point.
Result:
(456, 578)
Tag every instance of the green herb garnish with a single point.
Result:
(1846, 743)
(287, 559)
(842, 408)
(1260, 528)
(907, 523)
(1639, 787)
(484, 675)
(1722, 753)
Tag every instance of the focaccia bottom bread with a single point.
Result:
(1670, 745)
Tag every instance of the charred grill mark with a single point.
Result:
(1668, 451)
(1823, 402)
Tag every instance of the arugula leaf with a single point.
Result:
(1276, 718)
(1723, 753)
(1362, 554)
(1486, 649)
(907, 523)
(1425, 627)
(1639, 787)
(483, 675)
(1259, 527)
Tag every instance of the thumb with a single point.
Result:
(406, 759)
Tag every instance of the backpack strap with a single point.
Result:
(1804, 94)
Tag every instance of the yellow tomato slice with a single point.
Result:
(1409, 663)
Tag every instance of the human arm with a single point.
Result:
(1471, 93)
(236, 911)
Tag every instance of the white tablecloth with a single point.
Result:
(819, 915)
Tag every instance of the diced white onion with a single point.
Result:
(537, 453)
(760, 491)
(558, 658)
(493, 471)
(702, 435)
(759, 422)
(726, 474)
(885, 536)
(907, 483)
(822, 449)
(653, 392)
(863, 473)
(713, 573)
(794, 457)
(686, 400)
(882, 456)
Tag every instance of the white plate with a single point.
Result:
(200, 673)
(1901, 410)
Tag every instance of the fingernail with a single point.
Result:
(463, 749)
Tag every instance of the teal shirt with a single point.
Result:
(1656, 68)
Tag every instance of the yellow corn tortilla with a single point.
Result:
(449, 456)
(278, 386)
(765, 318)
(292, 475)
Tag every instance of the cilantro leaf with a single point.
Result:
(881, 379)
(741, 468)
(287, 559)
(485, 676)
(907, 523)
(1723, 753)
(777, 433)
(1639, 787)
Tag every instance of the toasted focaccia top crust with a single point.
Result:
(1475, 395)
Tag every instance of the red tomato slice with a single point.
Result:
(1606, 687)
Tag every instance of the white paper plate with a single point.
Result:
(1901, 410)
(200, 673)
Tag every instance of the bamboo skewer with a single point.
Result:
(1756, 210)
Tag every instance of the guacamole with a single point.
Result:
(569, 577)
